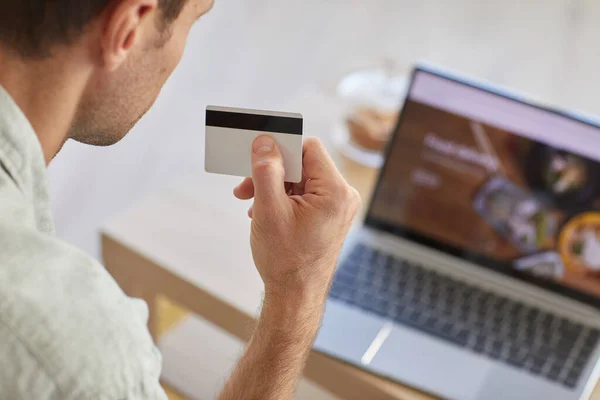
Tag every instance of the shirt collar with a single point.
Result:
(22, 156)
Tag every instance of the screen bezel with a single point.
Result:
(478, 259)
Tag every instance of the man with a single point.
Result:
(88, 70)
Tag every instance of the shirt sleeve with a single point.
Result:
(75, 326)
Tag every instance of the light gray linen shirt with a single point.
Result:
(67, 331)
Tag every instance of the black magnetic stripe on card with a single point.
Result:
(254, 122)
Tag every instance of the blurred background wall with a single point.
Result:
(289, 55)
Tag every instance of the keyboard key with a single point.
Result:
(447, 327)
(345, 279)
(532, 314)
(369, 276)
(495, 352)
(592, 340)
(516, 308)
(517, 358)
(554, 372)
(553, 376)
(542, 351)
(537, 367)
(581, 361)
(546, 322)
(511, 334)
(431, 322)
(572, 378)
(365, 299)
(341, 291)
(399, 309)
(564, 347)
(462, 336)
(414, 317)
(570, 383)
(479, 347)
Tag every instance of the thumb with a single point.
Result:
(268, 173)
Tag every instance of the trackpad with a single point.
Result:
(425, 362)
(347, 332)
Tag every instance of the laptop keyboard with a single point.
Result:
(500, 328)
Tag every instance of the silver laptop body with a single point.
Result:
(474, 203)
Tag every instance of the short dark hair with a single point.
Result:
(33, 27)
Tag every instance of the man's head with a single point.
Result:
(130, 46)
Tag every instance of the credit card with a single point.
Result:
(231, 131)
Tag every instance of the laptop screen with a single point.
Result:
(495, 180)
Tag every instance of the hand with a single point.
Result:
(297, 229)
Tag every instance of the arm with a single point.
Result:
(274, 360)
(297, 233)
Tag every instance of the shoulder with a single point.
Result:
(73, 324)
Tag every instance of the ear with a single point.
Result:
(123, 28)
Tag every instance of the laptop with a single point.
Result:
(476, 274)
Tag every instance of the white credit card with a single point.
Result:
(231, 131)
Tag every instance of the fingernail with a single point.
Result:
(263, 145)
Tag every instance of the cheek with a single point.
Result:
(174, 51)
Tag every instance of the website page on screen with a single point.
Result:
(492, 176)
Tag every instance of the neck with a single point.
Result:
(48, 91)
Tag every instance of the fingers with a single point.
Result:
(245, 190)
(321, 176)
(267, 187)
(317, 163)
(268, 174)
